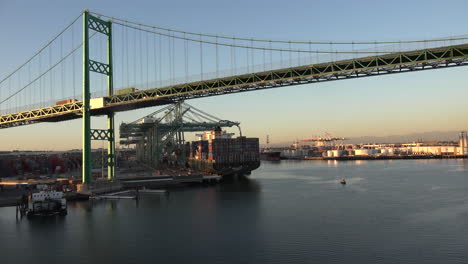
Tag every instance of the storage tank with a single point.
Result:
(362, 152)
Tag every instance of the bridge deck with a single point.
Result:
(442, 57)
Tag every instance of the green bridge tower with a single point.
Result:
(103, 27)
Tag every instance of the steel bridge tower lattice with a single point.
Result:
(103, 27)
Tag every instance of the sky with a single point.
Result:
(426, 101)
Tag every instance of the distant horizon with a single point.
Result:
(383, 106)
(441, 136)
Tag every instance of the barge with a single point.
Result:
(46, 203)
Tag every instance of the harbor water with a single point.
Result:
(390, 211)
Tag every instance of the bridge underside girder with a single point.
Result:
(435, 58)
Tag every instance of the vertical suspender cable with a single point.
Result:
(51, 73)
(264, 59)
(298, 58)
(317, 56)
(9, 105)
(232, 60)
(247, 60)
(169, 53)
(253, 55)
(281, 58)
(201, 58)
(271, 57)
(62, 68)
(122, 56)
(127, 65)
(217, 59)
(73, 63)
(174, 59)
(18, 101)
(234, 56)
(134, 58)
(29, 80)
(147, 62)
(141, 55)
(39, 66)
(331, 53)
(155, 61)
(160, 61)
(375, 47)
(188, 60)
(185, 59)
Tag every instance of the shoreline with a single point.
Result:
(412, 157)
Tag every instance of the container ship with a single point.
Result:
(218, 152)
(268, 154)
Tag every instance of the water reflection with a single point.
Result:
(288, 212)
(241, 183)
(332, 163)
(361, 162)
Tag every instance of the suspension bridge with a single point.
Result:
(87, 68)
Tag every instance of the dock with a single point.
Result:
(167, 181)
(136, 182)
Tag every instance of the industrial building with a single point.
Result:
(405, 149)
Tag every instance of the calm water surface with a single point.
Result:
(285, 212)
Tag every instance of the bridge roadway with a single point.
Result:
(434, 58)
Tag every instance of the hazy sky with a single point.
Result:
(434, 100)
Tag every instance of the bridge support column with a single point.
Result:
(86, 133)
(103, 27)
(111, 159)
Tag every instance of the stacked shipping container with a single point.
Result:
(221, 155)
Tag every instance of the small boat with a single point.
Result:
(342, 180)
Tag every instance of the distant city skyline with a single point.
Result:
(400, 104)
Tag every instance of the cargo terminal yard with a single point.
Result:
(327, 148)
(153, 154)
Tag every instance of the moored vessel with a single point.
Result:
(218, 152)
(46, 203)
(270, 155)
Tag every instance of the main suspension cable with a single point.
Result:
(44, 73)
(247, 46)
(280, 41)
(40, 50)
